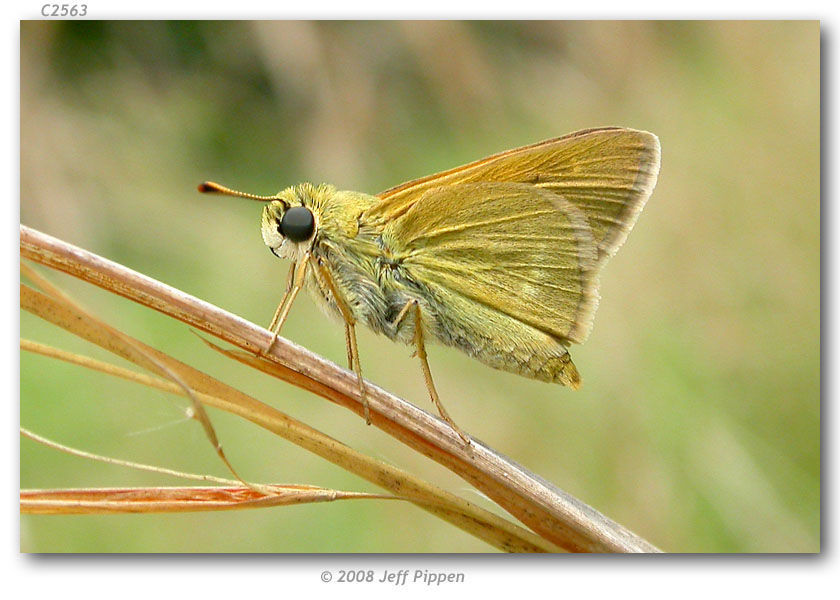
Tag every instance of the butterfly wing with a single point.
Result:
(525, 232)
(607, 173)
(519, 251)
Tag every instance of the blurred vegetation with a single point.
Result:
(698, 426)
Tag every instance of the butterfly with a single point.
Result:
(499, 258)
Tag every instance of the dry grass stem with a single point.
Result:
(175, 499)
(556, 516)
(485, 525)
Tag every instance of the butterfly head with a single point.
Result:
(288, 222)
(288, 226)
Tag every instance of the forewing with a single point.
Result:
(608, 174)
(518, 249)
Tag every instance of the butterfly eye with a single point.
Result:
(297, 224)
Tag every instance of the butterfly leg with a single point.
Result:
(294, 283)
(348, 345)
(326, 280)
(289, 277)
(424, 363)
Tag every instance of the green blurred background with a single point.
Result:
(698, 426)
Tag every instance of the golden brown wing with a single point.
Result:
(521, 251)
(607, 173)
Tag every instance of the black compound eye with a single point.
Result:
(297, 224)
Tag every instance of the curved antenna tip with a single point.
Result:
(211, 187)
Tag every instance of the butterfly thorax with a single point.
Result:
(366, 273)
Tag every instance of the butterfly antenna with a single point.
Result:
(210, 187)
